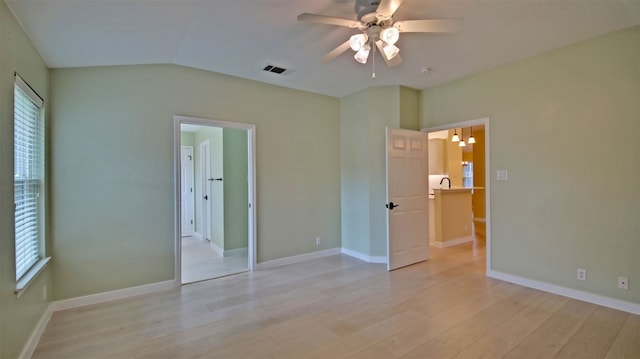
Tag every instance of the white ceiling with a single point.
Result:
(239, 37)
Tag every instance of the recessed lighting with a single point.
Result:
(425, 70)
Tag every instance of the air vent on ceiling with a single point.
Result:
(277, 70)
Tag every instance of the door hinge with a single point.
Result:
(192, 221)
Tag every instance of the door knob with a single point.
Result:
(206, 198)
(391, 205)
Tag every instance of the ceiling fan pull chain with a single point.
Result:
(373, 75)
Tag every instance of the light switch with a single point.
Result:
(502, 175)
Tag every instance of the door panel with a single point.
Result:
(408, 190)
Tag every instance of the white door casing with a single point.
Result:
(205, 174)
(408, 191)
(186, 191)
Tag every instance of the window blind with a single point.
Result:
(28, 175)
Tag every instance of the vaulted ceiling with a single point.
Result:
(240, 37)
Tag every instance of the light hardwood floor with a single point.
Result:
(200, 262)
(340, 307)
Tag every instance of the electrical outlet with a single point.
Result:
(623, 283)
(582, 274)
(502, 175)
(318, 241)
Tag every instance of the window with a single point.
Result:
(28, 180)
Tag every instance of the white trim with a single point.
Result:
(30, 347)
(31, 275)
(364, 257)
(617, 304)
(487, 165)
(219, 251)
(238, 252)
(113, 295)
(452, 242)
(297, 259)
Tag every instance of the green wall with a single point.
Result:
(363, 118)
(18, 316)
(565, 125)
(112, 161)
(236, 195)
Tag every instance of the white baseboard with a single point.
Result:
(296, 259)
(364, 257)
(238, 252)
(451, 243)
(219, 251)
(36, 334)
(622, 305)
(113, 295)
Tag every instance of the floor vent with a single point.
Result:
(277, 70)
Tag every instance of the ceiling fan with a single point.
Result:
(378, 30)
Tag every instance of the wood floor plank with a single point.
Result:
(596, 336)
(627, 343)
(547, 340)
(340, 307)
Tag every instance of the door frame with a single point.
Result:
(251, 206)
(487, 165)
(204, 154)
(193, 192)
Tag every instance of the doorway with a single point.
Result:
(480, 181)
(222, 241)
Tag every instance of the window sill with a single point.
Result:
(24, 282)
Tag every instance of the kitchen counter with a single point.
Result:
(453, 216)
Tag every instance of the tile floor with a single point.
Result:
(200, 262)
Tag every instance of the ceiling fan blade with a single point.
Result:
(329, 20)
(387, 8)
(395, 61)
(437, 25)
(336, 52)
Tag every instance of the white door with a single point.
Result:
(205, 174)
(186, 191)
(407, 197)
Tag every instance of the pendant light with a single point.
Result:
(455, 137)
(471, 139)
(462, 144)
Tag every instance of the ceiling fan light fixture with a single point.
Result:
(390, 51)
(357, 41)
(363, 54)
(390, 35)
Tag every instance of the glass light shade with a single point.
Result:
(472, 140)
(357, 41)
(390, 35)
(455, 137)
(462, 144)
(363, 54)
(390, 51)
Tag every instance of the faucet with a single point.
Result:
(446, 178)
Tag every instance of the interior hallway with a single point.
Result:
(200, 262)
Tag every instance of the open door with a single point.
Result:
(407, 197)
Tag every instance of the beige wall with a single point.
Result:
(112, 160)
(565, 125)
(18, 316)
